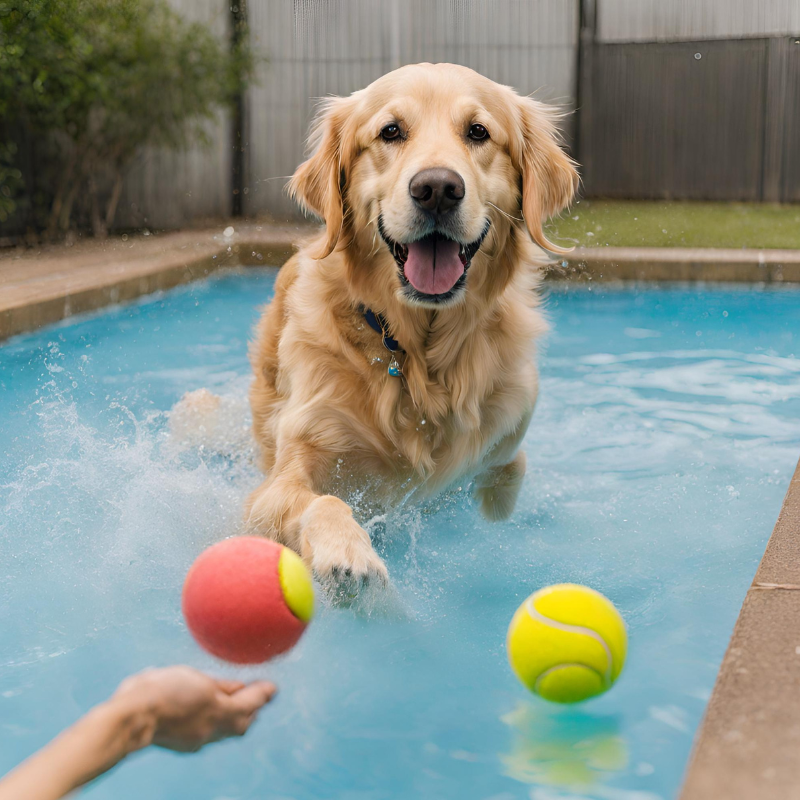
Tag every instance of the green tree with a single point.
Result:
(105, 78)
(10, 180)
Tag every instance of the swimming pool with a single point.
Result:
(665, 437)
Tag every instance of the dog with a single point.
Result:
(397, 356)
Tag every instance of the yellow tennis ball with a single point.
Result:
(567, 643)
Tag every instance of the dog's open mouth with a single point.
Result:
(434, 267)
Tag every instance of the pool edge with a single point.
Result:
(61, 290)
(51, 302)
(747, 744)
(677, 264)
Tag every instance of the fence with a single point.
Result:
(675, 98)
(702, 119)
(696, 99)
(693, 20)
(693, 120)
(318, 48)
(167, 189)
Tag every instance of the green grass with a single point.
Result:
(639, 223)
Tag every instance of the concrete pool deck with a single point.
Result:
(44, 285)
(747, 746)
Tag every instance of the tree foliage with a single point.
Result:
(10, 180)
(103, 79)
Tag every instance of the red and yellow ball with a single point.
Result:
(247, 599)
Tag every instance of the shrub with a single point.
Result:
(103, 79)
(10, 180)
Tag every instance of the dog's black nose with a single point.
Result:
(437, 189)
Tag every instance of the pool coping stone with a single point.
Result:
(748, 743)
(40, 287)
(681, 264)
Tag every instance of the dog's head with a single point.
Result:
(427, 162)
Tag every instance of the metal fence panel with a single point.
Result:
(679, 120)
(168, 189)
(317, 48)
(687, 20)
(784, 111)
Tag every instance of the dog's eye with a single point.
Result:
(390, 132)
(477, 132)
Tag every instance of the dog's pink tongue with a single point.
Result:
(433, 266)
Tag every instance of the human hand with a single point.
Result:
(178, 708)
(189, 709)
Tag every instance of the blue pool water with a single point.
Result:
(668, 426)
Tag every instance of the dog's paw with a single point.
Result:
(339, 551)
(497, 489)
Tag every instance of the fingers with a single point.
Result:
(242, 724)
(229, 686)
(242, 707)
(250, 699)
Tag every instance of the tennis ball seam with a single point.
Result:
(578, 629)
(557, 667)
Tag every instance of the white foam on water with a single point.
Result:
(100, 518)
(103, 520)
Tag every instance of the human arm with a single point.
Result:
(177, 708)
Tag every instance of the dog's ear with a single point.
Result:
(549, 176)
(318, 183)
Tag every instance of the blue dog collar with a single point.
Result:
(378, 323)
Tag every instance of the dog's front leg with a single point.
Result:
(288, 508)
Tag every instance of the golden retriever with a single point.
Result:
(433, 183)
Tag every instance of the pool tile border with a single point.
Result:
(748, 745)
(680, 264)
